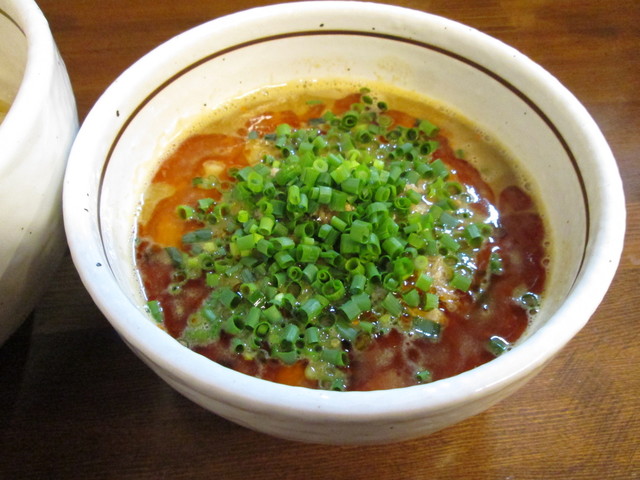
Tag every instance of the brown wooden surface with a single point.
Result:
(75, 403)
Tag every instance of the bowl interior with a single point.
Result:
(164, 110)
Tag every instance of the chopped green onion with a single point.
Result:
(202, 235)
(312, 335)
(392, 305)
(393, 246)
(311, 309)
(228, 297)
(460, 281)
(272, 314)
(350, 309)
(498, 345)
(155, 310)
(424, 376)
(358, 283)
(336, 357)
(411, 298)
(428, 128)
(424, 282)
(431, 301)
(403, 268)
(428, 328)
(448, 244)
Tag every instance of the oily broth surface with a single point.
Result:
(487, 157)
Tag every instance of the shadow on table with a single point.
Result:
(79, 404)
(13, 358)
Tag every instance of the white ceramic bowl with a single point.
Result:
(35, 138)
(512, 98)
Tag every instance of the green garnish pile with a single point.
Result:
(328, 241)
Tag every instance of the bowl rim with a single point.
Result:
(38, 75)
(196, 372)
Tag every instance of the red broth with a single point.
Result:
(473, 324)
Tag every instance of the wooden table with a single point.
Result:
(75, 403)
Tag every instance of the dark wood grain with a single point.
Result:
(76, 403)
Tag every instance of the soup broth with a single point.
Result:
(333, 237)
(4, 108)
